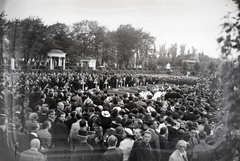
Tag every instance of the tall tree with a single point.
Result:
(84, 34)
(126, 41)
(182, 49)
(3, 23)
(28, 38)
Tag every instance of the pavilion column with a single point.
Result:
(64, 63)
(51, 63)
(59, 61)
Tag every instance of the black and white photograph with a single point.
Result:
(119, 80)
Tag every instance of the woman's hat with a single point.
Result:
(105, 114)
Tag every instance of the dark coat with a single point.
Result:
(141, 152)
(203, 152)
(24, 141)
(83, 152)
(113, 154)
(60, 134)
(5, 153)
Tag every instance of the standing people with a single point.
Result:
(143, 149)
(113, 153)
(203, 151)
(180, 153)
(32, 153)
(83, 151)
(127, 144)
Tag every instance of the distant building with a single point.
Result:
(190, 64)
(88, 62)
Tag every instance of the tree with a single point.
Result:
(162, 50)
(84, 37)
(126, 41)
(182, 49)
(144, 47)
(58, 37)
(229, 42)
(26, 36)
(3, 23)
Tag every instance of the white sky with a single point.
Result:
(192, 22)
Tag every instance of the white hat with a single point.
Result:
(129, 131)
(118, 108)
(105, 114)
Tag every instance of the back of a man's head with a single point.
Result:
(35, 143)
(202, 135)
(112, 140)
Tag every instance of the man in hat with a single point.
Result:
(83, 151)
(113, 153)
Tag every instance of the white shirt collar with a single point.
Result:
(35, 134)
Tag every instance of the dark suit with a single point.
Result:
(6, 154)
(142, 152)
(30, 155)
(113, 154)
(83, 152)
(165, 151)
(60, 135)
(24, 141)
(132, 156)
(154, 142)
(203, 152)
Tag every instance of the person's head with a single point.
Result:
(44, 109)
(202, 135)
(83, 123)
(34, 127)
(60, 106)
(147, 135)
(46, 124)
(137, 132)
(62, 116)
(163, 131)
(35, 143)
(51, 114)
(181, 146)
(112, 141)
(90, 111)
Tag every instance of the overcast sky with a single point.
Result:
(192, 22)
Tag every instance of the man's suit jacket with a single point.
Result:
(24, 141)
(31, 155)
(176, 156)
(113, 154)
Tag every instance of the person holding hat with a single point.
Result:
(82, 151)
(127, 144)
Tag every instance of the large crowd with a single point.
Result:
(72, 116)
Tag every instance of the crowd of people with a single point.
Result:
(72, 116)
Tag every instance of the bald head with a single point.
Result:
(112, 140)
(35, 143)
